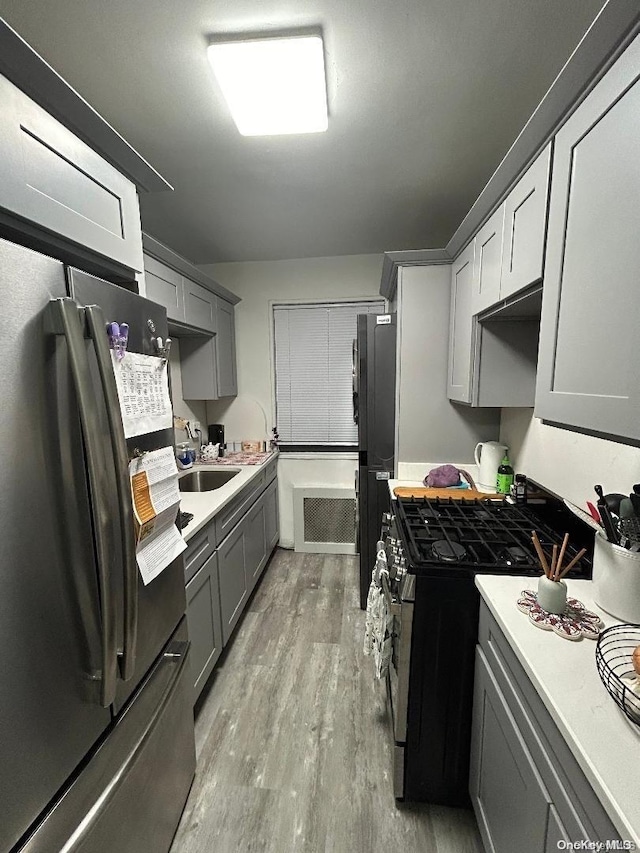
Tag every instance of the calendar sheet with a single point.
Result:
(143, 390)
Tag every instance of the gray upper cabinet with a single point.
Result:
(198, 366)
(461, 332)
(56, 182)
(164, 286)
(589, 363)
(525, 219)
(199, 306)
(488, 262)
(226, 349)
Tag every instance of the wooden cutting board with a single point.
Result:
(456, 494)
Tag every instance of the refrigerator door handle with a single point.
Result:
(65, 319)
(97, 332)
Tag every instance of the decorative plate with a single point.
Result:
(576, 621)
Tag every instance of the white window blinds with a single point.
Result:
(313, 365)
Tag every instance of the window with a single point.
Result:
(313, 366)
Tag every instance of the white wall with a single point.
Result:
(429, 427)
(251, 413)
(567, 462)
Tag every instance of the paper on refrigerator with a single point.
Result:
(143, 390)
(156, 502)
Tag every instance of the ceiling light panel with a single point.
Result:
(273, 86)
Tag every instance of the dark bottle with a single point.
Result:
(505, 477)
(520, 489)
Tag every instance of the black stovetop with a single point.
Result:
(481, 536)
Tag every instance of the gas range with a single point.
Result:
(433, 549)
(460, 537)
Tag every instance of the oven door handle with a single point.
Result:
(393, 604)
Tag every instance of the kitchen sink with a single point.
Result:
(205, 481)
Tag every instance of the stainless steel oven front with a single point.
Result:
(401, 597)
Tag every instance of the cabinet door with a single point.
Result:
(461, 330)
(226, 349)
(54, 180)
(198, 368)
(199, 306)
(487, 262)
(205, 623)
(271, 519)
(231, 573)
(589, 363)
(508, 796)
(255, 543)
(164, 286)
(525, 220)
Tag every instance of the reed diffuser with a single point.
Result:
(552, 589)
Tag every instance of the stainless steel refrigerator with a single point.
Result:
(374, 402)
(96, 724)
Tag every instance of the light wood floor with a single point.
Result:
(294, 754)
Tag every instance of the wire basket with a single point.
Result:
(614, 651)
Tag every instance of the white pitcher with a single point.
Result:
(488, 456)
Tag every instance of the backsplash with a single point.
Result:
(567, 462)
(193, 410)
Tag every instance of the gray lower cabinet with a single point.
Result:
(55, 182)
(255, 544)
(271, 519)
(205, 622)
(233, 580)
(588, 367)
(527, 790)
(220, 579)
(508, 796)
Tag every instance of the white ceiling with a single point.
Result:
(425, 98)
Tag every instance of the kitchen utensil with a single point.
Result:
(582, 515)
(215, 435)
(456, 494)
(605, 515)
(595, 515)
(210, 452)
(616, 580)
(613, 502)
(552, 595)
(614, 659)
(488, 456)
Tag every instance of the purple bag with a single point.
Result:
(447, 475)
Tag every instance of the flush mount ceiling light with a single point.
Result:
(273, 85)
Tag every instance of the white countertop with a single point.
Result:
(604, 742)
(204, 505)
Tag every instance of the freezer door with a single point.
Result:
(376, 344)
(50, 620)
(162, 603)
(131, 793)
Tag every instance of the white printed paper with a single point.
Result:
(143, 390)
(156, 502)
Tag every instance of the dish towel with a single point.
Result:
(378, 626)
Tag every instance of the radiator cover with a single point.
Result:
(324, 520)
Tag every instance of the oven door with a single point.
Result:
(398, 682)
